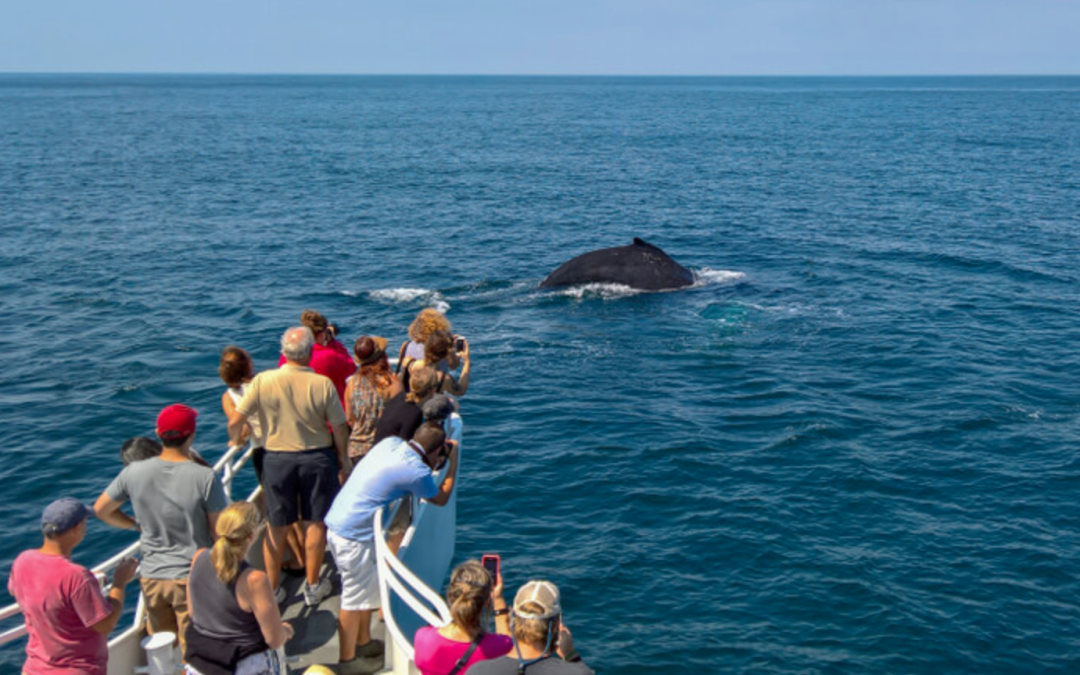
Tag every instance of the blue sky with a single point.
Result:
(621, 37)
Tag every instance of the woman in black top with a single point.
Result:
(402, 415)
(236, 627)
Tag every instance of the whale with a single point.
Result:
(640, 266)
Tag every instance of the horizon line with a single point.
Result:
(523, 75)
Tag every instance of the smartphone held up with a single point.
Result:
(492, 563)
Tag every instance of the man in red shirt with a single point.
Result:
(329, 357)
(67, 616)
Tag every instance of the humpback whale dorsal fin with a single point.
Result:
(638, 241)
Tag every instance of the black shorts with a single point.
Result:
(299, 485)
(257, 457)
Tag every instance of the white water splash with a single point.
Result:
(411, 295)
(604, 291)
(707, 276)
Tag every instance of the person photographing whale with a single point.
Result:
(394, 468)
(542, 642)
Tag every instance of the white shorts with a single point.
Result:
(359, 576)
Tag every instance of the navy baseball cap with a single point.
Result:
(63, 514)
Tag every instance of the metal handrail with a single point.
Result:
(228, 470)
(394, 574)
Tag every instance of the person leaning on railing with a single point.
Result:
(542, 642)
(393, 469)
(472, 596)
(67, 616)
(235, 623)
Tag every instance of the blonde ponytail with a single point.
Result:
(422, 382)
(236, 524)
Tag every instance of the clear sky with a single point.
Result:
(619, 37)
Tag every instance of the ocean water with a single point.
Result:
(851, 447)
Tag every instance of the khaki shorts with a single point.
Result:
(166, 606)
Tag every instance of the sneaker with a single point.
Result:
(313, 595)
(359, 665)
(371, 650)
(280, 595)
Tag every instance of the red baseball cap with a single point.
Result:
(176, 421)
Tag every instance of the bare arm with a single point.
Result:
(348, 402)
(123, 575)
(502, 621)
(264, 607)
(229, 406)
(395, 387)
(108, 511)
(341, 445)
(462, 385)
(237, 423)
(447, 486)
(211, 519)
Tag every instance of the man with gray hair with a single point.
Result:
(306, 438)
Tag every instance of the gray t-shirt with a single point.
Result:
(172, 501)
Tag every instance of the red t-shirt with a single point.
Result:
(436, 655)
(332, 361)
(60, 602)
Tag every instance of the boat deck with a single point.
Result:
(316, 628)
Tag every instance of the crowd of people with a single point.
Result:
(335, 437)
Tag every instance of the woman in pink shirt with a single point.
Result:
(450, 650)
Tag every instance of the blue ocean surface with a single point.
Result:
(850, 447)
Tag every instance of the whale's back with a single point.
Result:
(639, 265)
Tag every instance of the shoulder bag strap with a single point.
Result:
(401, 357)
(460, 665)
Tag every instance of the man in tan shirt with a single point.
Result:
(306, 439)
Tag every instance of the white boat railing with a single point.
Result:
(227, 466)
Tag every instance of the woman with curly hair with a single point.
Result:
(438, 352)
(367, 393)
(473, 597)
(426, 322)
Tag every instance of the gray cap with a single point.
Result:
(63, 514)
(437, 408)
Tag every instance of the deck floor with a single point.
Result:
(316, 629)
